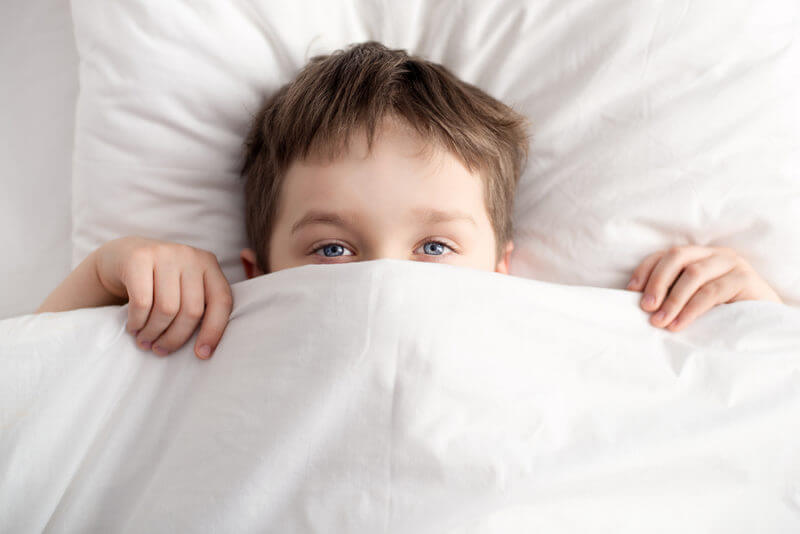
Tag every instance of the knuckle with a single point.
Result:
(746, 273)
(159, 249)
(743, 278)
(194, 312)
(656, 283)
(670, 305)
(693, 270)
(141, 255)
(209, 257)
(690, 310)
(743, 269)
(139, 302)
(166, 308)
(709, 290)
(682, 315)
(167, 250)
(185, 251)
(146, 334)
(191, 254)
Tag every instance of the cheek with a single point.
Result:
(487, 246)
(282, 253)
(482, 253)
(479, 260)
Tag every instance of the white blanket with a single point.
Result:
(394, 396)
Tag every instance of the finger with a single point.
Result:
(139, 285)
(693, 277)
(667, 270)
(219, 303)
(189, 314)
(642, 272)
(166, 303)
(715, 292)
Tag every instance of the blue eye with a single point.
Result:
(333, 250)
(435, 248)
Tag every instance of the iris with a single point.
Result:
(332, 250)
(433, 248)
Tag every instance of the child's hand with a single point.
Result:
(702, 276)
(170, 287)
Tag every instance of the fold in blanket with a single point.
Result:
(393, 396)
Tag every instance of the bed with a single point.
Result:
(542, 400)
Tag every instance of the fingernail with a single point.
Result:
(634, 281)
(673, 324)
(161, 351)
(659, 316)
(648, 300)
(204, 351)
(145, 344)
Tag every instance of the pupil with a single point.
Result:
(433, 248)
(332, 250)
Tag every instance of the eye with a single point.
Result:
(333, 250)
(434, 248)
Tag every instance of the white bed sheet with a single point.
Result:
(394, 396)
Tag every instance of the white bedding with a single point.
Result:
(653, 123)
(395, 396)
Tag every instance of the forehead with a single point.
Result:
(401, 171)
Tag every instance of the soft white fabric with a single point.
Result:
(38, 88)
(396, 396)
(654, 123)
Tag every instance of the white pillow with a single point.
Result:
(654, 124)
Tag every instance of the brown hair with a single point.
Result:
(336, 95)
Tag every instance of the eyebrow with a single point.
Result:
(431, 216)
(323, 217)
(347, 221)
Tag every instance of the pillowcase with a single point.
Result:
(653, 124)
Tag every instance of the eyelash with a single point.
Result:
(436, 257)
(317, 247)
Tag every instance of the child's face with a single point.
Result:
(403, 200)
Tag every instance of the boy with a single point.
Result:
(370, 153)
